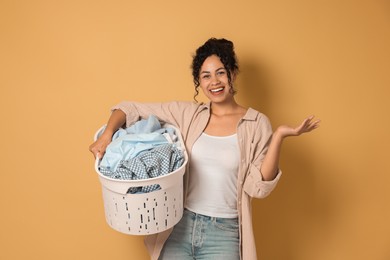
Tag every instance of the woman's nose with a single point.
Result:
(215, 81)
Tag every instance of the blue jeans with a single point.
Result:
(198, 236)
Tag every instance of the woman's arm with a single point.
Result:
(126, 113)
(270, 165)
(116, 120)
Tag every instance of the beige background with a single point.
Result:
(63, 64)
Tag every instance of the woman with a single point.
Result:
(233, 157)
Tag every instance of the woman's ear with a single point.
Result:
(233, 75)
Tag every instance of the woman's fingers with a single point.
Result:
(310, 125)
(97, 149)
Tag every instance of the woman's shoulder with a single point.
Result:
(255, 115)
(257, 125)
(188, 105)
(175, 104)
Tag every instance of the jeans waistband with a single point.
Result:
(194, 214)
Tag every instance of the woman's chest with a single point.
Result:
(222, 125)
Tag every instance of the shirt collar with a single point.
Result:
(205, 106)
(250, 115)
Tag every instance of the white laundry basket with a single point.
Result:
(145, 213)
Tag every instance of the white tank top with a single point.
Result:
(213, 174)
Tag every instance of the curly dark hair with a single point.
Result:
(224, 49)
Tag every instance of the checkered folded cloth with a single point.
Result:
(160, 160)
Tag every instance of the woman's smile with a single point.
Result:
(217, 91)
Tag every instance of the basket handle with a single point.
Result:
(97, 160)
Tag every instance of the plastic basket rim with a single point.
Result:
(137, 181)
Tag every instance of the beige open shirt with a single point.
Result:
(254, 132)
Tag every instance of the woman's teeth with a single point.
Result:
(216, 90)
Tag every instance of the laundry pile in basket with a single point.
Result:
(141, 151)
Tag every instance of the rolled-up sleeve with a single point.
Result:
(132, 114)
(128, 108)
(255, 186)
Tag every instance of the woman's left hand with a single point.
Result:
(307, 125)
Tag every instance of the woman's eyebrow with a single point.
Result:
(206, 71)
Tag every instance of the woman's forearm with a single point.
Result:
(116, 120)
(270, 166)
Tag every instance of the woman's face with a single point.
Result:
(214, 80)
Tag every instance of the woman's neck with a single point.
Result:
(225, 108)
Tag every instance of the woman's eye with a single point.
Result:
(221, 72)
(205, 76)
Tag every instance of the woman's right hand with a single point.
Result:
(116, 120)
(98, 148)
